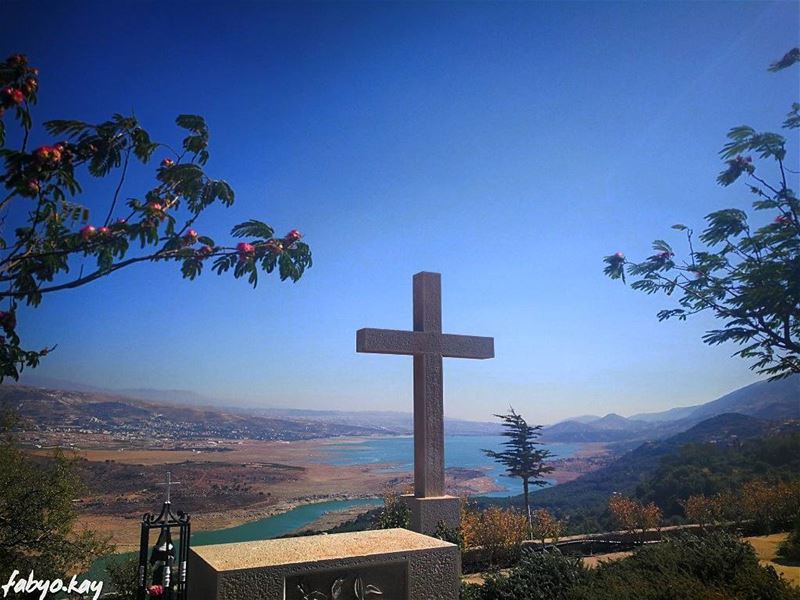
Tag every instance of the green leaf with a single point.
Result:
(662, 246)
(729, 222)
(69, 127)
(224, 192)
(143, 147)
(793, 117)
(253, 229)
(194, 123)
(791, 57)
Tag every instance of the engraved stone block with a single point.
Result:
(391, 564)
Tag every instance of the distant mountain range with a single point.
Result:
(766, 400)
(395, 423)
(122, 417)
(636, 467)
(127, 419)
(386, 422)
(169, 396)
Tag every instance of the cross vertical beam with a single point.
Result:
(428, 388)
(427, 344)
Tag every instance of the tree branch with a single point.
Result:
(119, 186)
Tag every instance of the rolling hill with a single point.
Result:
(765, 400)
(46, 410)
(592, 490)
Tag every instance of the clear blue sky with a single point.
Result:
(507, 146)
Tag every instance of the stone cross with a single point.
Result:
(169, 483)
(428, 345)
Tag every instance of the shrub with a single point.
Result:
(500, 532)
(449, 534)
(790, 547)
(471, 591)
(547, 575)
(544, 525)
(716, 566)
(395, 513)
(703, 510)
(38, 521)
(633, 516)
(121, 574)
(689, 567)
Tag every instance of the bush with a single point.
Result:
(121, 574)
(547, 575)
(471, 591)
(38, 522)
(633, 516)
(500, 532)
(544, 525)
(449, 534)
(718, 566)
(395, 513)
(688, 567)
(790, 547)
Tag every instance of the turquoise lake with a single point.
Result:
(397, 454)
(278, 525)
(262, 529)
(459, 451)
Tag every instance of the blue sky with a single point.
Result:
(507, 146)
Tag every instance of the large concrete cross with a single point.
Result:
(428, 345)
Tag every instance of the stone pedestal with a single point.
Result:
(395, 564)
(427, 513)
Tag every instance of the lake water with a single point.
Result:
(268, 527)
(278, 525)
(459, 451)
(397, 454)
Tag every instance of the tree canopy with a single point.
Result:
(60, 244)
(37, 514)
(746, 268)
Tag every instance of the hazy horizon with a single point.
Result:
(509, 146)
(193, 398)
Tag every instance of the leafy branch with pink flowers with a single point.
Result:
(747, 270)
(54, 231)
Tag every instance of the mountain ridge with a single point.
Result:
(763, 399)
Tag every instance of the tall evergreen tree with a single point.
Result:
(524, 457)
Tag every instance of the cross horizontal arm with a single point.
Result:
(467, 346)
(394, 341)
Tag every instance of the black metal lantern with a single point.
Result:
(167, 581)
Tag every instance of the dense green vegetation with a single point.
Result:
(688, 567)
(790, 548)
(37, 514)
(717, 455)
(709, 469)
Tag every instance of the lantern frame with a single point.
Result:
(165, 520)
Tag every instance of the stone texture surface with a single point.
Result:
(390, 579)
(428, 345)
(427, 513)
(258, 570)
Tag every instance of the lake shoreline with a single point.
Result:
(311, 473)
